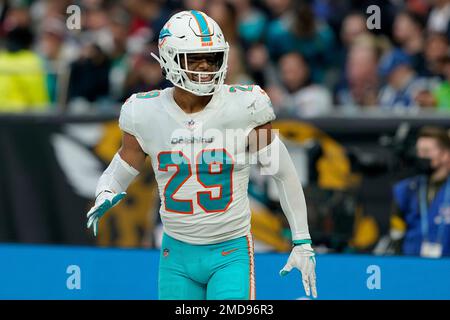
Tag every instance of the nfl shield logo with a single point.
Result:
(190, 124)
(166, 253)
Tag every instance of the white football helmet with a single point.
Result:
(192, 32)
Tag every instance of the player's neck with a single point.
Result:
(188, 102)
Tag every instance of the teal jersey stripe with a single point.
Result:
(203, 26)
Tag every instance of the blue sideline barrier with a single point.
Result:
(63, 272)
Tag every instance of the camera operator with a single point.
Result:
(420, 222)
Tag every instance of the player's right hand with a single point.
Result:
(104, 201)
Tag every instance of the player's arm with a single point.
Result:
(114, 181)
(131, 152)
(275, 160)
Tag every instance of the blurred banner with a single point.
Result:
(49, 167)
(64, 272)
(50, 164)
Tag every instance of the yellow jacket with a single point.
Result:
(22, 82)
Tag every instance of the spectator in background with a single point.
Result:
(145, 73)
(298, 30)
(442, 92)
(148, 18)
(439, 96)
(420, 223)
(4, 6)
(224, 13)
(354, 25)
(436, 50)
(199, 5)
(280, 13)
(259, 65)
(402, 84)
(420, 7)
(41, 10)
(119, 25)
(408, 32)
(89, 78)
(22, 76)
(56, 62)
(361, 85)
(251, 22)
(17, 14)
(299, 96)
(439, 18)
(96, 25)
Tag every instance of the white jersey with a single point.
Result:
(200, 160)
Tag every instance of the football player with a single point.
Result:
(201, 136)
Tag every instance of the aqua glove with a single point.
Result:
(104, 201)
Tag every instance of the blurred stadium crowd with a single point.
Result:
(312, 56)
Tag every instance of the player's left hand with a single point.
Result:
(303, 258)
